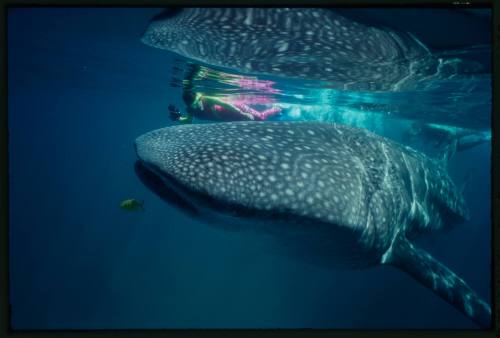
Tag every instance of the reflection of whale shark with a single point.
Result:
(339, 192)
(305, 43)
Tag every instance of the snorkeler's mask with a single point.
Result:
(175, 114)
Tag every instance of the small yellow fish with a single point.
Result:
(132, 205)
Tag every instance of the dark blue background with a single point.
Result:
(82, 87)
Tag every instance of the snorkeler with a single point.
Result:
(219, 108)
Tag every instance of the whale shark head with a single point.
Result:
(256, 168)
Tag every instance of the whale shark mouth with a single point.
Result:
(166, 192)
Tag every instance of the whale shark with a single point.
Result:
(331, 190)
(301, 43)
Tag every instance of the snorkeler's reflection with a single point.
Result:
(220, 108)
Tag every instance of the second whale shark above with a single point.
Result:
(333, 191)
(302, 43)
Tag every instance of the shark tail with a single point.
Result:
(434, 275)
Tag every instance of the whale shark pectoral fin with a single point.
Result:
(434, 275)
(465, 180)
(448, 151)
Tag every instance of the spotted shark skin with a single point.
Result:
(343, 192)
(303, 43)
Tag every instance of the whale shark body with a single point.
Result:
(302, 43)
(337, 191)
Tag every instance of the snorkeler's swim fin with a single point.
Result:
(437, 277)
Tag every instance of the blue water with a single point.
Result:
(82, 87)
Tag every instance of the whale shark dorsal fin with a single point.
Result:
(437, 277)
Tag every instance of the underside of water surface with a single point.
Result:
(84, 83)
